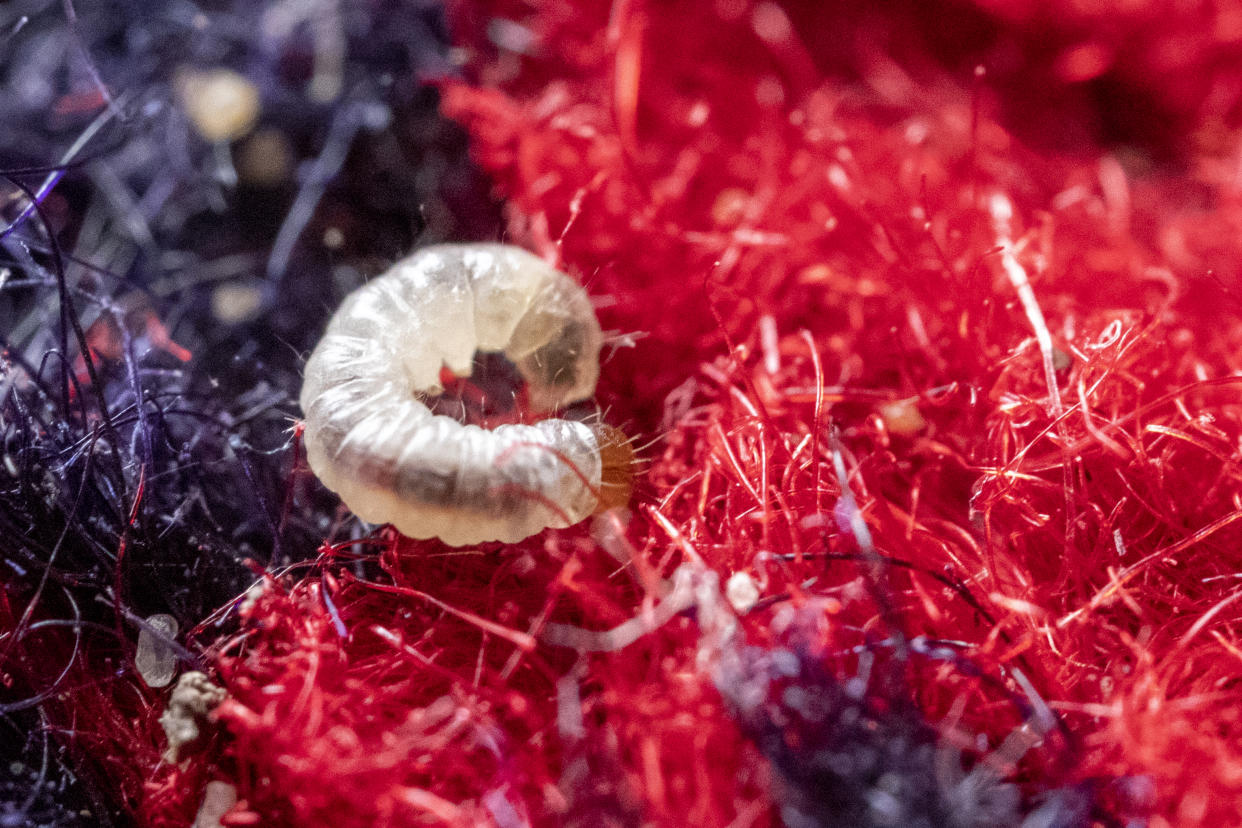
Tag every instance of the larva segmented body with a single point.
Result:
(371, 438)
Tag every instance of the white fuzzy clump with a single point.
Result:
(371, 438)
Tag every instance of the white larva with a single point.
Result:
(372, 439)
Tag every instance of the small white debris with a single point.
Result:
(155, 660)
(902, 417)
(741, 592)
(236, 302)
(222, 105)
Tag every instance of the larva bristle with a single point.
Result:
(618, 463)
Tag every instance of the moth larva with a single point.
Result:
(371, 438)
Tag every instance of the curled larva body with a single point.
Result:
(371, 438)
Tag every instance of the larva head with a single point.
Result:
(617, 464)
(556, 345)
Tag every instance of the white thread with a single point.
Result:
(371, 438)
